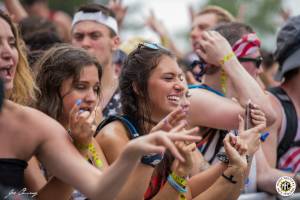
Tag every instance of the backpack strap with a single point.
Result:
(131, 128)
(291, 119)
(151, 159)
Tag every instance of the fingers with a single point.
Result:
(170, 120)
(192, 131)
(241, 124)
(162, 139)
(74, 111)
(181, 137)
(179, 127)
(177, 115)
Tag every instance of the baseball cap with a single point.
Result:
(288, 47)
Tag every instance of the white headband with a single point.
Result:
(98, 17)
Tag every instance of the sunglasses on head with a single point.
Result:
(257, 61)
(149, 45)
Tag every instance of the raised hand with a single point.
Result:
(156, 25)
(235, 149)
(213, 47)
(252, 136)
(174, 119)
(81, 125)
(183, 169)
(159, 141)
(119, 9)
(258, 117)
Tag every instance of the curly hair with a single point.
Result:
(58, 64)
(24, 89)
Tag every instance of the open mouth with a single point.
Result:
(6, 72)
(86, 109)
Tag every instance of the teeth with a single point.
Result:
(173, 98)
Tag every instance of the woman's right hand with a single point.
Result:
(172, 120)
(81, 125)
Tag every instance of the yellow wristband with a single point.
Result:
(226, 58)
(96, 160)
(180, 180)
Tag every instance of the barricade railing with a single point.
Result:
(266, 196)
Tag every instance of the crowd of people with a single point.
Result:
(82, 117)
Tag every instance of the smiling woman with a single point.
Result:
(28, 132)
(14, 69)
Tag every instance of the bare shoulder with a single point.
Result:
(114, 131)
(40, 123)
(112, 138)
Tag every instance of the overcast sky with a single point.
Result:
(174, 14)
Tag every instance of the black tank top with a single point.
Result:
(12, 173)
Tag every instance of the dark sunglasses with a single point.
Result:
(257, 61)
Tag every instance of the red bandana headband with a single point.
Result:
(247, 45)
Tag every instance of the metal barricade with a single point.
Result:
(266, 196)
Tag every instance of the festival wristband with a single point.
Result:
(152, 159)
(179, 180)
(95, 159)
(226, 58)
(175, 185)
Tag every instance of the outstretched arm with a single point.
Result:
(60, 157)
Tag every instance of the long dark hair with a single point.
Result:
(134, 83)
(135, 99)
(56, 65)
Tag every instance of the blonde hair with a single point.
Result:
(223, 16)
(24, 89)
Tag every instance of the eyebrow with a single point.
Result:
(85, 82)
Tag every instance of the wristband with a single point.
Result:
(226, 58)
(152, 159)
(175, 185)
(179, 180)
(95, 159)
(229, 178)
(222, 157)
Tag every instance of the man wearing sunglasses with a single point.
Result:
(234, 79)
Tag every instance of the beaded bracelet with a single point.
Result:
(96, 160)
